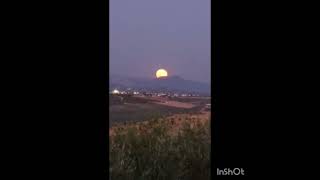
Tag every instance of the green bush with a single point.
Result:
(151, 153)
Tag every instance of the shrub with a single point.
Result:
(154, 154)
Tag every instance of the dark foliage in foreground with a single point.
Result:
(150, 152)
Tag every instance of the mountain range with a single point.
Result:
(172, 83)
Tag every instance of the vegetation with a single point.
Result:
(143, 112)
(152, 151)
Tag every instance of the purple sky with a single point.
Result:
(149, 34)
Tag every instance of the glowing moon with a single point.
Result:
(161, 73)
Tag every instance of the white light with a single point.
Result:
(115, 91)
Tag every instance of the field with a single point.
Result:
(125, 109)
(159, 139)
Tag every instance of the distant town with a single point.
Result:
(140, 93)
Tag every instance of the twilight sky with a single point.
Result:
(146, 35)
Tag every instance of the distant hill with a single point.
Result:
(173, 83)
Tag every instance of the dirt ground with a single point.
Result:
(166, 102)
(176, 104)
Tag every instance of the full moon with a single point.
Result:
(161, 73)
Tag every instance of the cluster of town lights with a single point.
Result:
(116, 91)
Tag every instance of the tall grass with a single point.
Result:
(152, 152)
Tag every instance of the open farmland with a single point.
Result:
(125, 109)
(159, 138)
